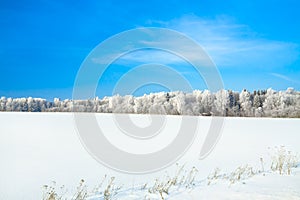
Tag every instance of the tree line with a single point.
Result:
(260, 103)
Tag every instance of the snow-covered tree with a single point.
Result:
(246, 103)
(261, 103)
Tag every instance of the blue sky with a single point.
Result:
(255, 45)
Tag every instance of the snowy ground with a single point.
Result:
(268, 187)
(38, 148)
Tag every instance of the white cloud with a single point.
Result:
(231, 44)
(228, 43)
(281, 76)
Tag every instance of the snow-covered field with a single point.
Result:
(268, 187)
(38, 148)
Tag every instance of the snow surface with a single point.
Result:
(268, 187)
(38, 148)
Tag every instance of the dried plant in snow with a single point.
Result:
(81, 193)
(182, 178)
(241, 173)
(283, 160)
(214, 176)
(50, 192)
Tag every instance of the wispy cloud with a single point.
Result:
(235, 45)
(228, 43)
(286, 78)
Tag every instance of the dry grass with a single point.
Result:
(108, 191)
(214, 176)
(81, 193)
(182, 178)
(239, 174)
(51, 192)
(283, 160)
(111, 189)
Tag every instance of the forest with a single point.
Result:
(259, 103)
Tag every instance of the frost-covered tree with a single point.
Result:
(246, 103)
(3, 104)
(234, 105)
(207, 103)
(221, 103)
(272, 103)
(261, 103)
